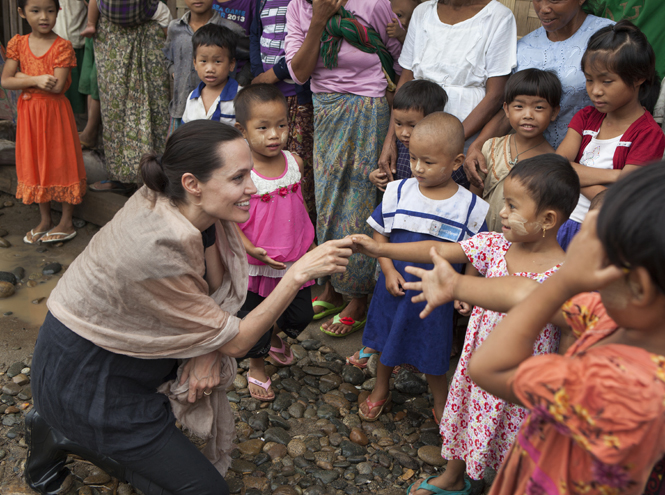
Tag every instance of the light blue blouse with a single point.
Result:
(535, 50)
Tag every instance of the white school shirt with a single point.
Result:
(599, 153)
(461, 57)
(221, 110)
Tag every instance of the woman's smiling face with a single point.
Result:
(556, 14)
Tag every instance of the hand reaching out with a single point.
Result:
(364, 244)
(262, 255)
(436, 285)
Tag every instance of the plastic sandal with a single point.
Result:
(440, 491)
(67, 237)
(264, 385)
(371, 405)
(33, 235)
(355, 326)
(361, 355)
(280, 350)
(329, 308)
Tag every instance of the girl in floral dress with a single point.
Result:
(49, 162)
(278, 231)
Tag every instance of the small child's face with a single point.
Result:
(607, 91)
(267, 129)
(40, 14)
(432, 165)
(199, 6)
(519, 216)
(403, 10)
(530, 115)
(405, 121)
(213, 65)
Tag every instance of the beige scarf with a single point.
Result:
(138, 290)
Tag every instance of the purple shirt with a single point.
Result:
(239, 11)
(273, 34)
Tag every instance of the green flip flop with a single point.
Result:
(440, 491)
(355, 326)
(329, 308)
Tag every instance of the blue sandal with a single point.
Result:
(361, 355)
(440, 491)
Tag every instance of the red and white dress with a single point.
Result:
(477, 427)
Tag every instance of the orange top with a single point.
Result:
(597, 415)
(61, 54)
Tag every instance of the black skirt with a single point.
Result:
(104, 401)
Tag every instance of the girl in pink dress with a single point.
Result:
(278, 231)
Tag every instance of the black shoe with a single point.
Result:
(45, 469)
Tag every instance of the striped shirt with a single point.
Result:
(128, 13)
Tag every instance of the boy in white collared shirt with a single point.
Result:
(214, 59)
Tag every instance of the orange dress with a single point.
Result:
(49, 161)
(597, 415)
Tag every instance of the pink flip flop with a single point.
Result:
(264, 385)
(281, 350)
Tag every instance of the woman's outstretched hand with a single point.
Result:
(437, 285)
(326, 259)
(203, 373)
(586, 268)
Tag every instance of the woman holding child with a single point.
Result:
(557, 46)
(148, 314)
(351, 117)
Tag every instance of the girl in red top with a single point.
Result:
(617, 134)
(49, 162)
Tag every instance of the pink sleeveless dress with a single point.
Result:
(278, 223)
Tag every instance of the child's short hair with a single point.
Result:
(214, 35)
(534, 82)
(21, 4)
(256, 93)
(630, 219)
(551, 181)
(624, 50)
(422, 95)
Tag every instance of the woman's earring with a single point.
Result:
(544, 230)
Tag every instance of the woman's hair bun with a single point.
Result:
(152, 172)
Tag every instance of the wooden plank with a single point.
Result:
(173, 7)
(13, 18)
(6, 24)
(97, 208)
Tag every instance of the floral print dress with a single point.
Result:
(597, 415)
(476, 426)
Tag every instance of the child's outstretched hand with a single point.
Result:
(463, 308)
(364, 244)
(379, 178)
(46, 82)
(437, 284)
(394, 283)
(262, 255)
(394, 30)
(586, 268)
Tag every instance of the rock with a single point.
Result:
(21, 379)
(277, 435)
(4, 243)
(14, 370)
(38, 300)
(369, 384)
(431, 438)
(9, 420)
(408, 383)
(280, 422)
(8, 204)
(282, 402)
(254, 483)
(233, 397)
(329, 382)
(285, 490)
(19, 273)
(6, 289)
(291, 385)
(324, 460)
(239, 382)
(405, 460)
(335, 439)
(296, 448)
(243, 467)
(52, 268)
(125, 489)
(353, 375)
(431, 455)
(235, 485)
(358, 436)
(347, 388)
(26, 393)
(7, 313)
(364, 468)
(380, 433)
(259, 421)
(251, 447)
(399, 416)
(310, 344)
(78, 223)
(326, 476)
(97, 477)
(296, 410)
(11, 388)
(327, 411)
(350, 449)
(315, 370)
(310, 413)
(276, 451)
(298, 352)
(8, 277)
(372, 365)
(31, 283)
(336, 401)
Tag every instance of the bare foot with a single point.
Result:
(89, 31)
(356, 309)
(259, 373)
(330, 296)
